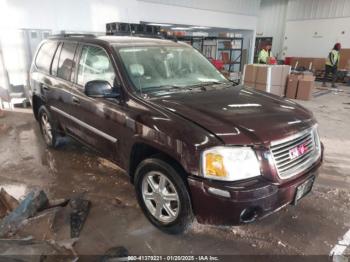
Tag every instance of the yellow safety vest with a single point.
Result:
(263, 56)
(333, 58)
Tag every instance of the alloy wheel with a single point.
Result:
(46, 128)
(160, 197)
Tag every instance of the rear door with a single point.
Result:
(62, 104)
(41, 81)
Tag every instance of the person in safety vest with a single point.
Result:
(332, 63)
(265, 54)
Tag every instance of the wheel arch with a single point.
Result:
(141, 151)
(37, 102)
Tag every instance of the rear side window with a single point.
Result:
(66, 62)
(44, 58)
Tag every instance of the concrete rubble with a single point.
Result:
(7, 203)
(40, 219)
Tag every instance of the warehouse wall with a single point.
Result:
(272, 21)
(317, 9)
(315, 38)
(92, 15)
(314, 26)
(244, 7)
(304, 27)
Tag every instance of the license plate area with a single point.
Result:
(303, 189)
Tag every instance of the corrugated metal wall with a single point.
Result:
(245, 7)
(317, 9)
(272, 21)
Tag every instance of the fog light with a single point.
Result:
(219, 192)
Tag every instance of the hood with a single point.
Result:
(239, 115)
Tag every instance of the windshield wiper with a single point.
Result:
(202, 85)
(165, 88)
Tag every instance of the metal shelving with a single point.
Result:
(229, 50)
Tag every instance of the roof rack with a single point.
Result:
(73, 35)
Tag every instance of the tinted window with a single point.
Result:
(94, 64)
(66, 63)
(44, 57)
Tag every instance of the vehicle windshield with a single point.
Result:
(168, 67)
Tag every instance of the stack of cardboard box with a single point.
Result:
(311, 63)
(300, 86)
(268, 78)
(344, 63)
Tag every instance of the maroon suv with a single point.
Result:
(192, 143)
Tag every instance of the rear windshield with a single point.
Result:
(44, 58)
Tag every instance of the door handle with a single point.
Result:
(75, 100)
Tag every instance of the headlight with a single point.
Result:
(230, 163)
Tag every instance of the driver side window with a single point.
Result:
(94, 64)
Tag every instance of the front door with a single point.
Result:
(99, 115)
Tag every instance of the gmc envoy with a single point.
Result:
(193, 144)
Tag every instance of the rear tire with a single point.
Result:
(48, 130)
(163, 196)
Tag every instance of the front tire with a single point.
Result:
(163, 196)
(48, 131)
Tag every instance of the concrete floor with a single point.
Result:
(313, 227)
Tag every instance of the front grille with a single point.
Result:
(289, 165)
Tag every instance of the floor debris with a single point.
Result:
(30, 250)
(34, 202)
(7, 203)
(41, 219)
(116, 252)
(80, 210)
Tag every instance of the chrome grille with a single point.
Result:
(288, 166)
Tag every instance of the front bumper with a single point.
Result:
(246, 201)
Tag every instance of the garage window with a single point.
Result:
(44, 58)
(66, 61)
(94, 64)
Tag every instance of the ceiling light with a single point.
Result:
(163, 25)
(200, 27)
(181, 28)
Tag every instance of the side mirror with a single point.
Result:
(101, 89)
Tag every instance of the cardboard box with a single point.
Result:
(268, 78)
(249, 84)
(261, 87)
(274, 75)
(286, 72)
(318, 64)
(250, 72)
(344, 62)
(305, 87)
(312, 63)
(262, 74)
(292, 86)
(276, 90)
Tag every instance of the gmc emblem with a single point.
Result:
(297, 151)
